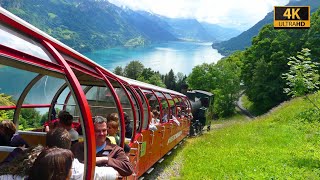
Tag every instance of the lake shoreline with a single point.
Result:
(159, 56)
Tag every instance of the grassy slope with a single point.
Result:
(276, 146)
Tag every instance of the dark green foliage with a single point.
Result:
(151, 77)
(223, 79)
(133, 70)
(31, 116)
(228, 88)
(119, 71)
(170, 80)
(312, 37)
(181, 80)
(265, 61)
(202, 77)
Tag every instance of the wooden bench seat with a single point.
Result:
(33, 138)
(4, 151)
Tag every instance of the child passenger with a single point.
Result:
(113, 129)
(154, 120)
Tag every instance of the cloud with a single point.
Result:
(241, 14)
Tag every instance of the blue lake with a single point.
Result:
(179, 56)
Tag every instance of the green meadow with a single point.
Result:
(282, 144)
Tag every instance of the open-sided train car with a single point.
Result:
(41, 74)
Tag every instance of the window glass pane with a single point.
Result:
(101, 101)
(164, 104)
(17, 41)
(145, 110)
(171, 105)
(68, 58)
(32, 118)
(13, 81)
(44, 90)
(152, 99)
(137, 108)
(126, 107)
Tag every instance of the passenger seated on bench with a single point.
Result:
(65, 121)
(9, 136)
(109, 154)
(189, 114)
(165, 115)
(154, 120)
(52, 164)
(155, 117)
(179, 113)
(113, 129)
(77, 169)
(128, 127)
(58, 137)
(20, 165)
(105, 173)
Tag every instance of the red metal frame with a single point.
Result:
(148, 106)
(84, 109)
(117, 101)
(29, 59)
(26, 106)
(132, 107)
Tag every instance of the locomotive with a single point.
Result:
(200, 101)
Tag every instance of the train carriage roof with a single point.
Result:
(149, 86)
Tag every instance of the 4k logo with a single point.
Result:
(291, 17)
(293, 13)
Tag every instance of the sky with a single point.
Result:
(239, 14)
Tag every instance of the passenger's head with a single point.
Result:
(113, 123)
(126, 118)
(7, 130)
(113, 127)
(58, 137)
(52, 164)
(100, 129)
(113, 117)
(65, 119)
(155, 113)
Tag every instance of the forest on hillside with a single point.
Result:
(258, 72)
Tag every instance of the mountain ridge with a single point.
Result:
(243, 40)
(89, 25)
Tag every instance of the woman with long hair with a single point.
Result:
(52, 164)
